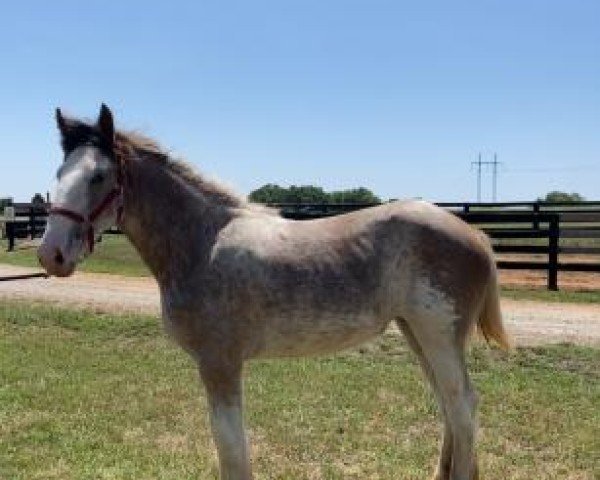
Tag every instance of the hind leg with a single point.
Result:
(444, 353)
(445, 459)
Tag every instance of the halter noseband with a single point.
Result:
(88, 221)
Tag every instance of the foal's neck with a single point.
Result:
(172, 224)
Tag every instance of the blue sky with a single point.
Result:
(396, 96)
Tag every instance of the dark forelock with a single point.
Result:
(79, 134)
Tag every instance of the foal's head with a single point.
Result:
(88, 194)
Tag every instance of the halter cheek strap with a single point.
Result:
(115, 195)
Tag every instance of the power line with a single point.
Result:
(556, 169)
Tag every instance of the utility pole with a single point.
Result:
(479, 179)
(494, 176)
(494, 165)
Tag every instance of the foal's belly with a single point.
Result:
(300, 337)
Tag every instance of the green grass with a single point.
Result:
(114, 254)
(98, 396)
(543, 295)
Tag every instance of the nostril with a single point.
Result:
(58, 257)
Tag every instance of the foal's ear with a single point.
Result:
(106, 124)
(61, 122)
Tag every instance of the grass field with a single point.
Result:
(113, 255)
(541, 294)
(91, 396)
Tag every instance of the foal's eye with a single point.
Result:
(96, 179)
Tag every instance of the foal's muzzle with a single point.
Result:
(54, 260)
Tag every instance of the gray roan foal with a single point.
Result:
(237, 281)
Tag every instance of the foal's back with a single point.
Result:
(321, 285)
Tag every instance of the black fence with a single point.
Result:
(29, 222)
(520, 228)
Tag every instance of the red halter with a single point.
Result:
(88, 223)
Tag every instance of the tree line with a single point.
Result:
(562, 197)
(272, 193)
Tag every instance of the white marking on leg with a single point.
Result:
(459, 404)
(228, 431)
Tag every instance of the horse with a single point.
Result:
(238, 282)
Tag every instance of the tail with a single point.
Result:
(490, 319)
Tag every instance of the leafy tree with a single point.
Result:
(306, 194)
(558, 196)
(38, 199)
(268, 193)
(5, 202)
(271, 193)
(354, 195)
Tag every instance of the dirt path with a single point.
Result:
(98, 291)
(529, 322)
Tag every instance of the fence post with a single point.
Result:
(10, 234)
(553, 237)
(536, 212)
(32, 222)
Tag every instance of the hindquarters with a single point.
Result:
(450, 272)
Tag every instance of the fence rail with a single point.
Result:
(564, 228)
(28, 221)
(551, 233)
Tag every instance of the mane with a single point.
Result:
(134, 143)
(130, 144)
